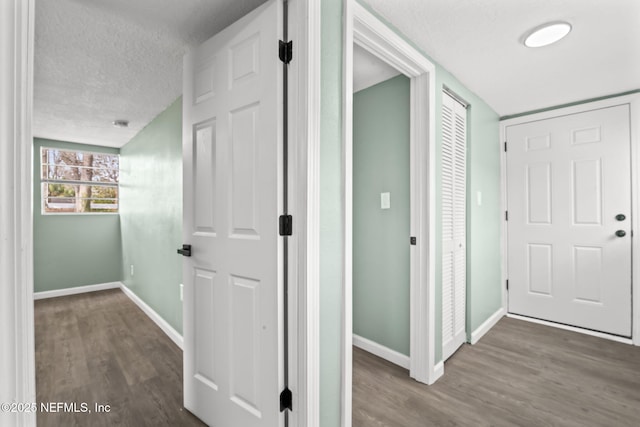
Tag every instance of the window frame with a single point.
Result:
(46, 181)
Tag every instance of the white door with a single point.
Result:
(569, 179)
(454, 243)
(232, 148)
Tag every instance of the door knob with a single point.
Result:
(185, 251)
(621, 233)
(621, 217)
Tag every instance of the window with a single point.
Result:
(78, 181)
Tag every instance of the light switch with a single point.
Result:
(479, 198)
(385, 200)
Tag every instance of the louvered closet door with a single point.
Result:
(454, 165)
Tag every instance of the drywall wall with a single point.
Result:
(381, 236)
(71, 250)
(151, 214)
(331, 211)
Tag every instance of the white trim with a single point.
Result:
(174, 335)
(77, 290)
(381, 351)
(346, 383)
(367, 31)
(633, 101)
(438, 369)
(571, 328)
(487, 325)
(304, 185)
(17, 352)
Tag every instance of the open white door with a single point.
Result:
(232, 147)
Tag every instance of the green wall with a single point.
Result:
(381, 237)
(331, 212)
(151, 214)
(71, 250)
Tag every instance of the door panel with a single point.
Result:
(567, 178)
(232, 149)
(454, 244)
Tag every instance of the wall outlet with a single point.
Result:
(132, 270)
(181, 292)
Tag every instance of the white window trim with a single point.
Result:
(44, 212)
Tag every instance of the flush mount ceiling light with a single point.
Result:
(121, 123)
(547, 34)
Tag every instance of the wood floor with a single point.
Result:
(101, 348)
(519, 374)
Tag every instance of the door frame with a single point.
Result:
(369, 32)
(304, 97)
(17, 352)
(633, 101)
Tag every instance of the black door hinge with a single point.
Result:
(413, 240)
(286, 51)
(505, 146)
(286, 400)
(286, 225)
(507, 284)
(506, 215)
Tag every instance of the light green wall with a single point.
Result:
(381, 237)
(71, 250)
(151, 213)
(331, 211)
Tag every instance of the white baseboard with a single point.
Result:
(162, 324)
(438, 371)
(381, 351)
(76, 290)
(572, 328)
(487, 325)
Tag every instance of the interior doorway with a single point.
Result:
(381, 208)
(368, 32)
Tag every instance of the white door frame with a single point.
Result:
(304, 205)
(363, 28)
(634, 104)
(17, 352)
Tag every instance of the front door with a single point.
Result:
(569, 219)
(232, 148)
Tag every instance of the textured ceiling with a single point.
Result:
(479, 41)
(101, 60)
(369, 70)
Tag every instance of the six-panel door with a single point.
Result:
(569, 253)
(232, 198)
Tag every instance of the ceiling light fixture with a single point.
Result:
(121, 123)
(547, 34)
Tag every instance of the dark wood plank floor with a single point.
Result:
(101, 348)
(519, 374)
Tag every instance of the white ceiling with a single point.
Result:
(479, 42)
(101, 60)
(369, 70)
